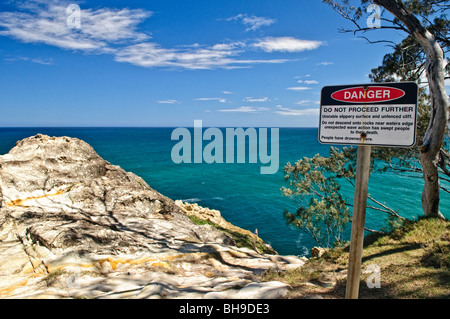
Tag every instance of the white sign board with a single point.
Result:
(379, 114)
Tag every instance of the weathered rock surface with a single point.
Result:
(73, 225)
(214, 216)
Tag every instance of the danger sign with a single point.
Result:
(382, 114)
(369, 94)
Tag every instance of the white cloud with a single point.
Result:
(146, 55)
(227, 92)
(198, 58)
(219, 99)
(251, 99)
(115, 32)
(325, 63)
(252, 22)
(40, 22)
(113, 24)
(306, 102)
(169, 102)
(308, 82)
(34, 60)
(299, 88)
(286, 44)
(246, 109)
(294, 112)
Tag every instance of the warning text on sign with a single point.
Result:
(366, 124)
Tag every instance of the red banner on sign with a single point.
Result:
(368, 94)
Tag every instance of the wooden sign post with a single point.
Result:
(358, 220)
(375, 114)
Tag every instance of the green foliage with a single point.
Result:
(241, 239)
(414, 263)
(322, 211)
(407, 62)
(313, 184)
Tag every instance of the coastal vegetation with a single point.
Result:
(315, 184)
(241, 237)
(419, 57)
(412, 262)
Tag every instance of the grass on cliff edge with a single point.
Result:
(241, 239)
(414, 263)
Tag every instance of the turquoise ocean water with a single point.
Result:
(245, 197)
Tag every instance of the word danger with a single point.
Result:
(213, 152)
(368, 94)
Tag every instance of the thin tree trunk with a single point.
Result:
(437, 126)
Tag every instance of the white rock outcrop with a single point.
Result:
(73, 225)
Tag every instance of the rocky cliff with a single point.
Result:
(73, 225)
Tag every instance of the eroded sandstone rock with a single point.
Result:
(72, 224)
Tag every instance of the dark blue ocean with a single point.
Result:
(245, 197)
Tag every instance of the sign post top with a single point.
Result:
(379, 114)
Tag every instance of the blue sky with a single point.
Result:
(167, 63)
